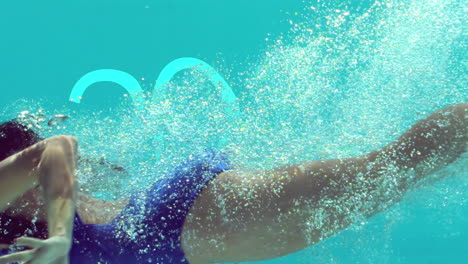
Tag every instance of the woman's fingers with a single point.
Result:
(22, 256)
(29, 242)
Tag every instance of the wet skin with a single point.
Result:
(249, 215)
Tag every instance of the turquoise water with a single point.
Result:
(313, 80)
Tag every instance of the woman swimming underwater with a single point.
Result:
(204, 211)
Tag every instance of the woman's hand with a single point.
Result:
(51, 164)
(53, 250)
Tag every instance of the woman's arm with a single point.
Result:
(50, 164)
(255, 215)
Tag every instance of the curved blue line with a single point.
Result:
(133, 87)
(175, 66)
(127, 81)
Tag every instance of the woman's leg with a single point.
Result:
(247, 216)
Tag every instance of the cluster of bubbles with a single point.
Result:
(335, 86)
(353, 83)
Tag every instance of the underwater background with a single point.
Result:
(313, 80)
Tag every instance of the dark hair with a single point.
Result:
(15, 137)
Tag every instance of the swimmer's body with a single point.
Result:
(240, 215)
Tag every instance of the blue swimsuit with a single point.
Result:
(149, 229)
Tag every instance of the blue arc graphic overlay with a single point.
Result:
(133, 87)
(181, 64)
(127, 81)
